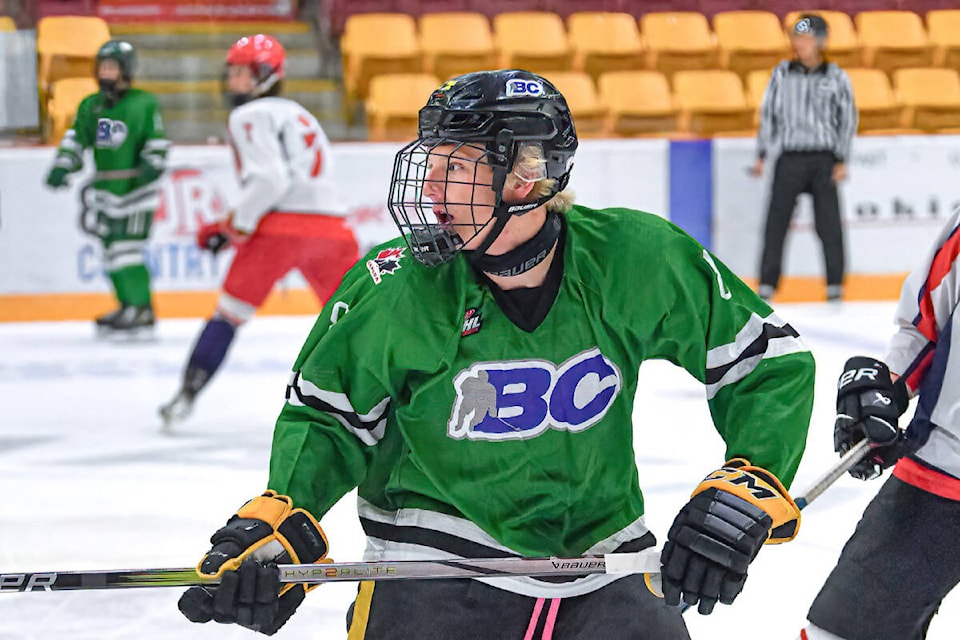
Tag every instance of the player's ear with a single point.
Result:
(517, 190)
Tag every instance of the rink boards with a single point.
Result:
(899, 192)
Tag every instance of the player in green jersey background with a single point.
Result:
(475, 380)
(123, 127)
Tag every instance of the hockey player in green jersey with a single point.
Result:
(476, 379)
(124, 128)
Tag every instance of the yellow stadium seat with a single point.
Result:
(65, 96)
(377, 44)
(893, 40)
(603, 41)
(589, 114)
(678, 41)
(931, 97)
(393, 103)
(638, 103)
(7, 24)
(750, 40)
(756, 86)
(944, 31)
(67, 46)
(532, 40)
(456, 42)
(879, 107)
(711, 101)
(843, 46)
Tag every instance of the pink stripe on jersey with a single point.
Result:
(551, 619)
(532, 627)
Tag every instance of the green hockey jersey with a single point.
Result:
(468, 436)
(127, 139)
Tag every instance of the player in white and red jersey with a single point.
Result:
(287, 214)
(903, 559)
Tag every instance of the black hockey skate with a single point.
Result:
(127, 322)
(177, 410)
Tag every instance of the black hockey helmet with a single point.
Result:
(810, 24)
(123, 53)
(499, 112)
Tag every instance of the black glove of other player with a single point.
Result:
(868, 406)
(265, 532)
(715, 537)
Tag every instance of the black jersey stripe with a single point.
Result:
(351, 417)
(455, 545)
(756, 348)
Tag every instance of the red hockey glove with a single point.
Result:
(214, 237)
(265, 532)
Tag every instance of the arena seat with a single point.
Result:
(532, 40)
(638, 103)
(604, 41)
(879, 106)
(7, 24)
(578, 89)
(678, 41)
(65, 96)
(711, 101)
(893, 40)
(755, 86)
(944, 31)
(750, 40)
(931, 97)
(393, 103)
(843, 46)
(67, 46)
(455, 43)
(377, 44)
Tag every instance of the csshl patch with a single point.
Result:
(387, 262)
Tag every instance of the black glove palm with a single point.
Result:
(264, 532)
(869, 405)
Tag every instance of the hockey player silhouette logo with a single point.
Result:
(110, 133)
(521, 399)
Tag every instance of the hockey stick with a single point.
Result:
(646, 561)
(854, 455)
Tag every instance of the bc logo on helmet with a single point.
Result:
(521, 399)
(519, 87)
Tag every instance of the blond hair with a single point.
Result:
(531, 166)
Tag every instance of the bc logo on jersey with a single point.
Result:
(520, 399)
(110, 133)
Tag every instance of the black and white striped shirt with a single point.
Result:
(807, 110)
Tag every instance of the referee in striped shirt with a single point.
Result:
(808, 115)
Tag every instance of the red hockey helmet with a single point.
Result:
(264, 55)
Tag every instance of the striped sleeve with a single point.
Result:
(767, 134)
(927, 303)
(847, 116)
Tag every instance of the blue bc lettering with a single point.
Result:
(519, 399)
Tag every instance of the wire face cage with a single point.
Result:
(442, 195)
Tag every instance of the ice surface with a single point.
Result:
(87, 480)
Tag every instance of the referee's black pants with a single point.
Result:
(803, 172)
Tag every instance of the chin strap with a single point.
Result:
(519, 259)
